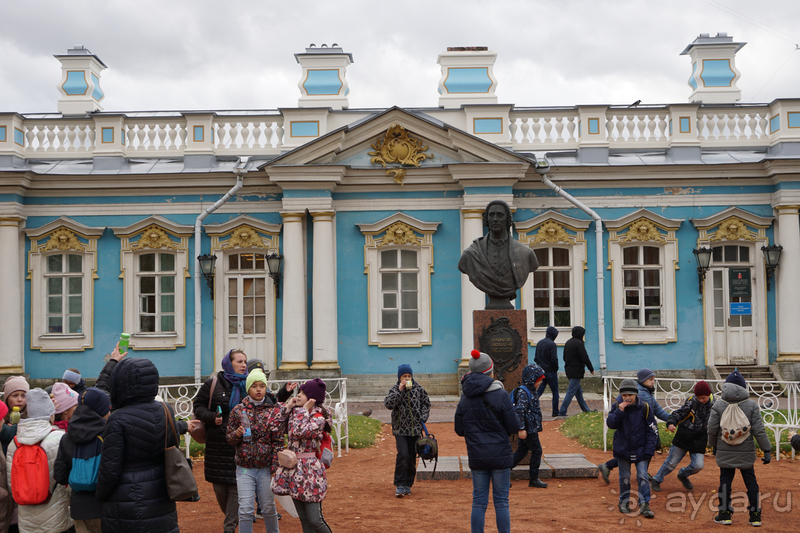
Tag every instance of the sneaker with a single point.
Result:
(655, 486)
(604, 471)
(644, 509)
(623, 507)
(724, 518)
(399, 492)
(407, 491)
(755, 518)
(257, 516)
(555, 415)
(538, 483)
(686, 483)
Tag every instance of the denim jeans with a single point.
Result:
(551, 380)
(254, 483)
(574, 389)
(641, 479)
(531, 442)
(501, 481)
(674, 458)
(726, 476)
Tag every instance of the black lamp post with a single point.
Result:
(772, 256)
(703, 257)
(207, 269)
(274, 263)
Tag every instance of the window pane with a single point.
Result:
(54, 324)
(54, 264)
(561, 298)
(75, 263)
(168, 304)
(54, 285)
(408, 281)
(54, 305)
(249, 325)
(390, 319)
(389, 259)
(409, 300)
(632, 298)
(247, 287)
(261, 287)
(168, 323)
(541, 279)
(543, 256)
(652, 278)
(247, 261)
(389, 281)
(233, 325)
(408, 259)
(541, 299)
(261, 324)
(167, 284)
(731, 254)
(561, 279)
(562, 319)
(652, 317)
(147, 323)
(233, 287)
(718, 298)
(233, 262)
(75, 305)
(651, 256)
(147, 263)
(249, 306)
(560, 257)
(652, 297)
(147, 285)
(260, 262)
(148, 304)
(75, 324)
(390, 300)
(735, 321)
(747, 321)
(75, 285)
(541, 319)
(719, 320)
(631, 278)
(718, 279)
(631, 317)
(167, 263)
(410, 319)
(261, 306)
(630, 256)
(744, 254)
(233, 307)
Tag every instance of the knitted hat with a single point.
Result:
(315, 390)
(73, 377)
(3, 410)
(644, 374)
(13, 384)
(96, 400)
(66, 398)
(628, 386)
(796, 442)
(701, 388)
(39, 405)
(404, 369)
(255, 364)
(480, 363)
(255, 375)
(736, 377)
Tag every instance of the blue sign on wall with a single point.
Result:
(741, 308)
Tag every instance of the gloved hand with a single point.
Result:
(767, 458)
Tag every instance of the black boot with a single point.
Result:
(536, 482)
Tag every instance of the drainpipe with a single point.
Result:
(542, 167)
(240, 170)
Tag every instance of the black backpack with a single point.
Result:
(428, 449)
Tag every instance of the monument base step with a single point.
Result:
(558, 465)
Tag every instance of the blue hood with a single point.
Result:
(531, 373)
(551, 333)
(474, 384)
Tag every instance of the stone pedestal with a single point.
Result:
(502, 333)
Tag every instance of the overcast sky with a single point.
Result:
(234, 54)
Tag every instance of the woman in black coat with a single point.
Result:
(131, 480)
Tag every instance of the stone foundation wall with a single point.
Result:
(359, 385)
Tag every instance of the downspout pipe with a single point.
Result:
(240, 170)
(542, 168)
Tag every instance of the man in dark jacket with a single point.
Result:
(575, 359)
(547, 358)
(485, 417)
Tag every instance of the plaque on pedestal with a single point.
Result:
(502, 334)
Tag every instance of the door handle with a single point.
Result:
(729, 321)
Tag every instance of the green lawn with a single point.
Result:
(363, 431)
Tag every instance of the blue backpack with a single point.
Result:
(85, 465)
(520, 388)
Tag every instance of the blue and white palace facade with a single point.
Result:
(103, 214)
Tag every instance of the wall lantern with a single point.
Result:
(274, 262)
(703, 257)
(206, 262)
(772, 255)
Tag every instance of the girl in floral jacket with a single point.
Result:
(304, 420)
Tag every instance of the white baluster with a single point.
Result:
(183, 134)
(620, 128)
(82, 134)
(731, 126)
(130, 135)
(92, 136)
(751, 125)
(280, 135)
(571, 130)
(61, 135)
(548, 129)
(267, 129)
(762, 122)
(559, 130)
(50, 134)
(221, 135)
(537, 128)
(742, 127)
(247, 135)
(609, 125)
(151, 137)
(512, 130)
(647, 125)
(71, 137)
(525, 129)
(173, 134)
(633, 128)
(161, 135)
(29, 136)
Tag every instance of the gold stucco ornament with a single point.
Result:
(398, 147)
(399, 233)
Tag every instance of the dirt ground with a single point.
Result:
(361, 496)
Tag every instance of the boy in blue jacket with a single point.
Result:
(526, 404)
(634, 443)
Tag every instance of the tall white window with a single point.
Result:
(641, 274)
(64, 282)
(399, 289)
(552, 292)
(156, 283)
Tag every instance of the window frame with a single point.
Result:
(158, 274)
(641, 287)
(398, 292)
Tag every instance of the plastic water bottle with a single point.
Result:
(15, 415)
(248, 436)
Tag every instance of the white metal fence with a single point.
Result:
(181, 397)
(778, 401)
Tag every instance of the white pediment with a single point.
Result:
(381, 225)
(752, 219)
(564, 220)
(179, 230)
(75, 227)
(664, 222)
(219, 229)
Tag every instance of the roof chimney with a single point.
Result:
(324, 81)
(714, 72)
(80, 81)
(467, 76)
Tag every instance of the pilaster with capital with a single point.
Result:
(787, 284)
(472, 298)
(325, 332)
(12, 359)
(295, 311)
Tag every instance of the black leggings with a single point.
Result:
(311, 517)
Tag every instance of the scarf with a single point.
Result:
(237, 380)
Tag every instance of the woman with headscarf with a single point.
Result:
(220, 467)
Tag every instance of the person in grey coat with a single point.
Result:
(740, 456)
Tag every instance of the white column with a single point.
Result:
(471, 297)
(11, 310)
(787, 284)
(295, 347)
(325, 333)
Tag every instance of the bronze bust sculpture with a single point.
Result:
(496, 263)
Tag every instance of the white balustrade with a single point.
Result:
(248, 134)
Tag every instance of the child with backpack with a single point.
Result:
(14, 390)
(691, 420)
(529, 413)
(43, 504)
(735, 419)
(634, 443)
(410, 406)
(78, 460)
(66, 401)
